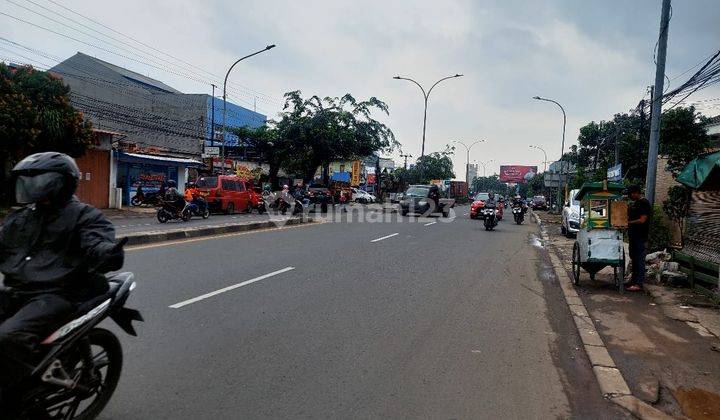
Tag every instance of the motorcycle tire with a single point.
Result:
(206, 213)
(135, 201)
(105, 342)
(162, 216)
(186, 215)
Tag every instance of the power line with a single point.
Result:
(152, 65)
(250, 91)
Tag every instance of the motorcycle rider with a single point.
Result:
(173, 197)
(519, 202)
(53, 251)
(491, 203)
(194, 197)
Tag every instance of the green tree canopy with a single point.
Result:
(320, 131)
(36, 116)
(437, 165)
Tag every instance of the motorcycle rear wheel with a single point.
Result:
(206, 213)
(162, 216)
(135, 201)
(101, 378)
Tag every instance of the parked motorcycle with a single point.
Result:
(489, 217)
(518, 214)
(81, 363)
(171, 211)
(142, 198)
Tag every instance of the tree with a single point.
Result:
(36, 116)
(490, 183)
(273, 149)
(320, 131)
(437, 165)
(677, 205)
(682, 137)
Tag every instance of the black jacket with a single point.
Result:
(58, 250)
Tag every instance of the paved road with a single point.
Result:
(354, 320)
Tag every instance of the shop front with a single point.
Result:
(150, 172)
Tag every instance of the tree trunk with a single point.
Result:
(273, 175)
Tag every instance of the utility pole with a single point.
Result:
(212, 117)
(657, 102)
(406, 158)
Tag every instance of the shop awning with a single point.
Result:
(157, 160)
(697, 173)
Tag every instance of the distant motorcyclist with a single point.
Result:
(173, 197)
(53, 252)
(491, 202)
(434, 195)
(519, 202)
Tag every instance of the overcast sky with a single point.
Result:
(594, 57)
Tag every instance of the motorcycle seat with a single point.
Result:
(114, 283)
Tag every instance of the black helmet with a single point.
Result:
(47, 175)
(171, 184)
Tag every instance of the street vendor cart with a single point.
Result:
(599, 243)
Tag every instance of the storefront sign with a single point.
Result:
(355, 180)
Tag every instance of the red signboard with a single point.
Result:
(517, 173)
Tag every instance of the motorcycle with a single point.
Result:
(170, 211)
(518, 214)
(81, 363)
(200, 208)
(489, 217)
(149, 199)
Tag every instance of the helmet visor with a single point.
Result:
(32, 189)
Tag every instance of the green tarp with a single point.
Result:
(698, 171)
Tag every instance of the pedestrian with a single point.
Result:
(343, 201)
(639, 214)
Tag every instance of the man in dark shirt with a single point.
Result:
(639, 214)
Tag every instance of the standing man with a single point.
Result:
(639, 214)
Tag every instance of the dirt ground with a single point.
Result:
(668, 362)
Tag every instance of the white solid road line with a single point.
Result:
(385, 237)
(229, 288)
(431, 223)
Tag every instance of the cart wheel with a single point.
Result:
(576, 264)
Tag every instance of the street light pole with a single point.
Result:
(222, 158)
(467, 160)
(484, 163)
(562, 147)
(426, 95)
(544, 153)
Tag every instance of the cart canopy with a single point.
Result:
(702, 172)
(614, 189)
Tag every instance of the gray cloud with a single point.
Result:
(593, 56)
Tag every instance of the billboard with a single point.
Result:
(517, 173)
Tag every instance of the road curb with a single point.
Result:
(609, 377)
(146, 238)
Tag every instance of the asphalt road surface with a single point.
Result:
(399, 319)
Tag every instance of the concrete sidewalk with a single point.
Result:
(668, 353)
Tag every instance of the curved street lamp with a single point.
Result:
(467, 160)
(222, 162)
(532, 146)
(562, 147)
(426, 95)
(483, 163)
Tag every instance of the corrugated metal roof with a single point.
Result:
(133, 76)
